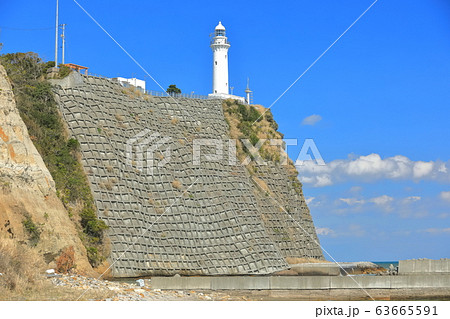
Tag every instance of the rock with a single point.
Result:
(140, 282)
(27, 186)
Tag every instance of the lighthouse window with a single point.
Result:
(216, 62)
(225, 56)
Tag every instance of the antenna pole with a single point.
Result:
(63, 37)
(56, 34)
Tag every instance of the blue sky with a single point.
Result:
(376, 105)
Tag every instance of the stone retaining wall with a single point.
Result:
(179, 217)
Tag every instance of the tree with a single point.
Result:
(172, 89)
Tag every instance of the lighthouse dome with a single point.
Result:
(220, 27)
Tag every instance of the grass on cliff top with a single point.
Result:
(254, 122)
(39, 111)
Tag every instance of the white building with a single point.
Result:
(139, 84)
(220, 46)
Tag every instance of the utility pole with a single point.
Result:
(56, 34)
(63, 28)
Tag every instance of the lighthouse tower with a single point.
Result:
(220, 46)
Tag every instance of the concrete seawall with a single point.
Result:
(300, 283)
(424, 266)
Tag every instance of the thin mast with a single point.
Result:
(63, 37)
(56, 34)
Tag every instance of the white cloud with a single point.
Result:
(382, 200)
(324, 231)
(352, 230)
(356, 231)
(352, 201)
(421, 169)
(445, 196)
(371, 168)
(312, 119)
(411, 199)
(444, 215)
(323, 181)
(436, 231)
(384, 203)
(355, 189)
(308, 200)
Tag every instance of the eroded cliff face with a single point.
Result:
(30, 211)
(166, 214)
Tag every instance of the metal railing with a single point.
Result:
(177, 95)
(155, 93)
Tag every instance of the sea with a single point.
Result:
(386, 264)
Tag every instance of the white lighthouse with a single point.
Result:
(220, 46)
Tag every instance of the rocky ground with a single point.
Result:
(122, 291)
(83, 288)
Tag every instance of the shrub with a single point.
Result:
(269, 117)
(63, 71)
(172, 89)
(249, 113)
(48, 65)
(94, 256)
(66, 261)
(119, 117)
(254, 139)
(92, 226)
(73, 144)
(32, 229)
(20, 266)
(177, 184)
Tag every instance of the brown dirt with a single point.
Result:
(295, 260)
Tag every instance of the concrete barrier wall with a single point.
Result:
(424, 266)
(300, 283)
(208, 219)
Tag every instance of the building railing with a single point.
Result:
(177, 95)
(157, 93)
